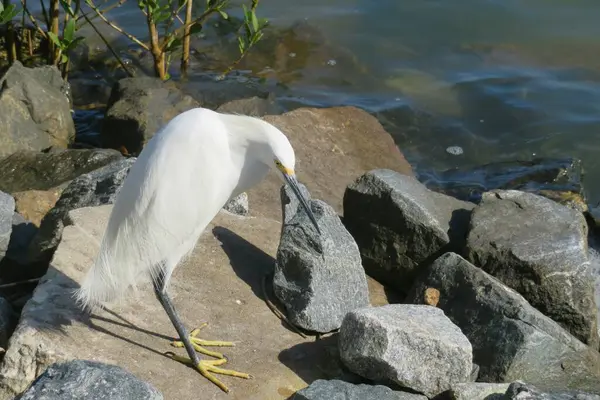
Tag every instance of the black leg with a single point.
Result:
(165, 300)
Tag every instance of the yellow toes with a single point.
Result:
(207, 366)
(198, 343)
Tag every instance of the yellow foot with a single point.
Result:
(198, 343)
(207, 367)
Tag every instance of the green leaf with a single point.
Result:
(8, 13)
(223, 14)
(70, 30)
(196, 28)
(75, 42)
(254, 21)
(1, 7)
(55, 39)
(64, 58)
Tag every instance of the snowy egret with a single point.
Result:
(182, 178)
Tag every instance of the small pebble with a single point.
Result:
(331, 62)
(455, 150)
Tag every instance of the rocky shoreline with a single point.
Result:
(409, 294)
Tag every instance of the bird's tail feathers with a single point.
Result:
(116, 271)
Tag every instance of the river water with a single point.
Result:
(504, 80)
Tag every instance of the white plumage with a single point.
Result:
(185, 174)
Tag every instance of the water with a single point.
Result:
(503, 80)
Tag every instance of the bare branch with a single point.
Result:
(114, 26)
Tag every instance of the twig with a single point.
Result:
(114, 26)
(107, 45)
(274, 309)
(33, 20)
(7, 285)
(181, 29)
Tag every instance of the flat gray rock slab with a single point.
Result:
(538, 248)
(511, 339)
(89, 380)
(318, 277)
(414, 346)
(478, 391)
(220, 283)
(339, 390)
(398, 224)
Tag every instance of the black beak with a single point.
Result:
(293, 182)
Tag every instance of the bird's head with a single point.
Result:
(283, 161)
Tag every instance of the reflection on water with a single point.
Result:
(503, 80)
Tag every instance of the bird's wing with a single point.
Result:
(178, 184)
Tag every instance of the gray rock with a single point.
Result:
(319, 278)
(89, 380)
(35, 109)
(92, 189)
(7, 209)
(538, 248)
(253, 106)
(138, 108)
(522, 391)
(511, 339)
(27, 170)
(339, 390)
(238, 205)
(478, 391)
(399, 225)
(414, 346)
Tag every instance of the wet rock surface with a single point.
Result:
(557, 179)
(511, 339)
(319, 278)
(414, 346)
(88, 380)
(538, 248)
(32, 170)
(399, 225)
(35, 109)
(524, 391)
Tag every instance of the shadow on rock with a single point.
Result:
(250, 263)
(317, 360)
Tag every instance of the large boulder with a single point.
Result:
(400, 225)
(332, 146)
(219, 283)
(322, 389)
(414, 346)
(138, 108)
(539, 248)
(89, 380)
(36, 113)
(318, 277)
(511, 339)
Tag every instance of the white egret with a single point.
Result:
(182, 178)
